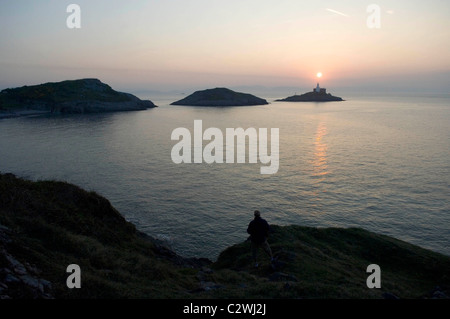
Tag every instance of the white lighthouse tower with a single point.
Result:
(318, 89)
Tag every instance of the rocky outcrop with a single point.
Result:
(220, 97)
(17, 279)
(77, 96)
(312, 97)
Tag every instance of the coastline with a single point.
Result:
(21, 113)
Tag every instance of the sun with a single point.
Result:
(319, 74)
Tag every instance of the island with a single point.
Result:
(71, 96)
(220, 97)
(318, 94)
(45, 226)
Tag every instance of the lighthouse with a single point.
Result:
(318, 89)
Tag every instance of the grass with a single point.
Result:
(55, 224)
(332, 263)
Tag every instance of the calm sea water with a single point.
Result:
(379, 163)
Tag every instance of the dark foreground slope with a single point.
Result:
(332, 263)
(74, 96)
(46, 226)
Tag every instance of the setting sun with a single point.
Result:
(319, 74)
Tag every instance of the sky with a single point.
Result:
(184, 44)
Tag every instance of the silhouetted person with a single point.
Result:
(259, 232)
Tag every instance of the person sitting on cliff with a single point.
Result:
(259, 232)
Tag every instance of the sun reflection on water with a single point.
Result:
(319, 162)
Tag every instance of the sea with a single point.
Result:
(379, 162)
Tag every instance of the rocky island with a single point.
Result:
(318, 94)
(220, 97)
(47, 225)
(72, 96)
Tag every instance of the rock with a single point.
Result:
(5, 271)
(4, 228)
(17, 266)
(32, 282)
(32, 269)
(439, 295)
(37, 283)
(220, 97)
(5, 234)
(17, 279)
(47, 285)
(11, 279)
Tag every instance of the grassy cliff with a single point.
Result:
(47, 225)
(332, 263)
(51, 225)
